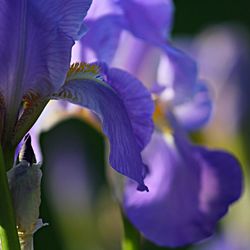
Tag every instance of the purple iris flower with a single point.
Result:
(134, 36)
(36, 38)
(128, 31)
(222, 53)
(191, 187)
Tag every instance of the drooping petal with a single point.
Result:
(190, 190)
(125, 109)
(195, 113)
(35, 44)
(137, 101)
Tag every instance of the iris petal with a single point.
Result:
(102, 43)
(137, 101)
(145, 25)
(191, 188)
(150, 31)
(125, 109)
(196, 112)
(35, 43)
(184, 72)
(103, 8)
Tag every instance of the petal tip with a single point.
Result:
(142, 187)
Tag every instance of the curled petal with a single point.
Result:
(137, 101)
(125, 109)
(196, 112)
(184, 71)
(191, 188)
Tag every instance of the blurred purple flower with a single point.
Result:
(222, 54)
(196, 184)
(36, 38)
(191, 188)
(138, 43)
(223, 243)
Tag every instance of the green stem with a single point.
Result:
(8, 230)
(131, 237)
(9, 154)
(27, 120)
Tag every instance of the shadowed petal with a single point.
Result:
(125, 109)
(190, 190)
(195, 113)
(35, 44)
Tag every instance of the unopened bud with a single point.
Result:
(25, 186)
(24, 181)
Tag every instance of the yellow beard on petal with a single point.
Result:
(30, 98)
(83, 70)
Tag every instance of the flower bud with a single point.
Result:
(24, 181)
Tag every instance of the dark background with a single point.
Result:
(191, 16)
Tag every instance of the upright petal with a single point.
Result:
(35, 44)
(152, 25)
(148, 30)
(102, 38)
(191, 188)
(125, 109)
(103, 8)
(148, 20)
